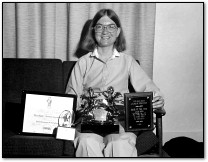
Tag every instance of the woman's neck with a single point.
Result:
(105, 52)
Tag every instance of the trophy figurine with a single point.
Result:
(66, 119)
(100, 115)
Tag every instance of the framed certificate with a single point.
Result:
(138, 111)
(42, 111)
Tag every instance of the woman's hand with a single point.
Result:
(158, 101)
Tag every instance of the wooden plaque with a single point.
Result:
(138, 111)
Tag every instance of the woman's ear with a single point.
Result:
(118, 31)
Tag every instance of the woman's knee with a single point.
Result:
(122, 140)
(84, 139)
(88, 139)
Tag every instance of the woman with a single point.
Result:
(104, 66)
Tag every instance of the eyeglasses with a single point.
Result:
(110, 28)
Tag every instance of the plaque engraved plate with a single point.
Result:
(138, 111)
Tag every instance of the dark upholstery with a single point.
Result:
(67, 69)
(145, 141)
(30, 74)
(36, 75)
(32, 146)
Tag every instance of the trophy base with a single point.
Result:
(101, 129)
(65, 133)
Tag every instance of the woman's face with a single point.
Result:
(107, 32)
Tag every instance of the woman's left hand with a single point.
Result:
(158, 101)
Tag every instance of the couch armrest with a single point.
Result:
(159, 130)
(160, 112)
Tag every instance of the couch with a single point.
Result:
(48, 75)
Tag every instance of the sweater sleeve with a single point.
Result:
(140, 80)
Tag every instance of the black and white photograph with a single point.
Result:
(103, 80)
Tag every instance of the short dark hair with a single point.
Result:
(89, 42)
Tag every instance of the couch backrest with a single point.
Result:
(30, 74)
(67, 69)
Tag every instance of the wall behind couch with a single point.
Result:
(178, 67)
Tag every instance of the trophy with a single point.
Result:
(100, 115)
(65, 122)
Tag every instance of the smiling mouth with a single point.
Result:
(105, 37)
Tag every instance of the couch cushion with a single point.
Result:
(36, 146)
(145, 141)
